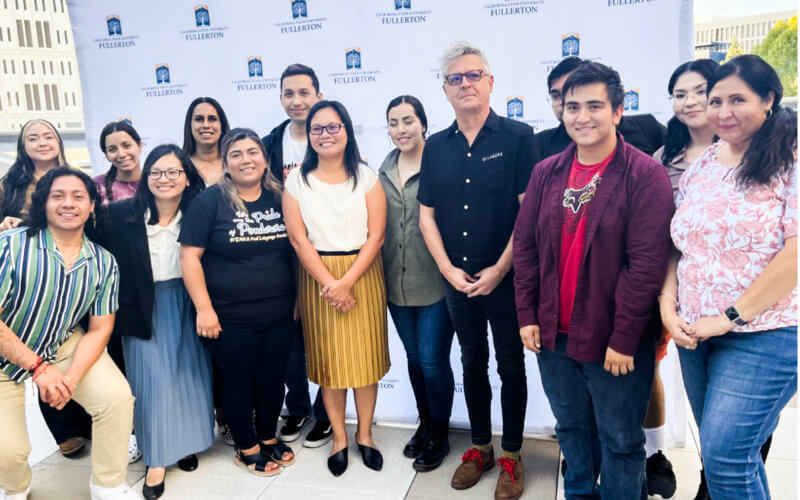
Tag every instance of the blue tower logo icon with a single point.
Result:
(201, 16)
(114, 25)
(162, 74)
(631, 102)
(254, 67)
(353, 58)
(570, 44)
(515, 107)
(299, 9)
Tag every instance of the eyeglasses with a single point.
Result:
(699, 95)
(332, 128)
(472, 76)
(172, 175)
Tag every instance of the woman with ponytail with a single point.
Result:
(731, 290)
(122, 146)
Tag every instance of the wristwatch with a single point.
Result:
(733, 314)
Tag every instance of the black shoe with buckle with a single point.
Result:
(660, 477)
(292, 428)
(320, 434)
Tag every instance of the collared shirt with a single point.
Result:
(412, 278)
(474, 189)
(677, 166)
(42, 300)
(165, 251)
(727, 236)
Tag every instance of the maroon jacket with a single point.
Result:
(624, 261)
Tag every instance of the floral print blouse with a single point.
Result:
(727, 235)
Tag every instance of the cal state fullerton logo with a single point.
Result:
(570, 44)
(126, 119)
(514, 107)
(254, 67)
(299, 9)
(162, 74)
(352, 58)
(202, 16)
(114, 25)
(402, 13)
(631, 102)
(402, 4)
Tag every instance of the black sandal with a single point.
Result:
(275, 453)
(257, 459)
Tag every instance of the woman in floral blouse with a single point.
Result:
(730, 298)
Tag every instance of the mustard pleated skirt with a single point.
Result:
(351, 349)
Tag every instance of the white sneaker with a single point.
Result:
(134, 453)
(15, 496)
(119, 492)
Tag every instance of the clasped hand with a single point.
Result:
(481, 283)
(55, 388)
(337, 293)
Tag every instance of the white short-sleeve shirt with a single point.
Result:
(335, 215)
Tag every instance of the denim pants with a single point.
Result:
(298, 402)
(469, 316)
(599, 421)
(427, 335)
(737, 384)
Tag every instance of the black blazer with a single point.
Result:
(127, 241)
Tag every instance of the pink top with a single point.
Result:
(121, 189)
(727, 236)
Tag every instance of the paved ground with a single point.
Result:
(55, 477)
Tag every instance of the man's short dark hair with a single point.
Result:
(301, 69)
(593, 72)
(566, 66)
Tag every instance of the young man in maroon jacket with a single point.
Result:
(590, 252)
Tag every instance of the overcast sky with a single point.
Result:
(738, 8)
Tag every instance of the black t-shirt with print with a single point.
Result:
(247, 259)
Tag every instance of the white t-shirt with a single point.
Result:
(293, 151)
(335, 215)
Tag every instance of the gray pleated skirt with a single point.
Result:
(170, 375)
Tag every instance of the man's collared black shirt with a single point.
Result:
(474, 190)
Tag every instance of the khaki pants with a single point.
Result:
(105, 395)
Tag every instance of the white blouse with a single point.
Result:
(335, 215)
(165, 251)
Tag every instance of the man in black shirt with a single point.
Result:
(286, 146)
(641, 131)
(647, 134)
(473, 176)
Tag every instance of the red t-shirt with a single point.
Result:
(581, 188)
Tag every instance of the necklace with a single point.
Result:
(68, 243)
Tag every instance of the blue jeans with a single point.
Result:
(298, 403)
(427, 335)
(737, 385)
(599, 421)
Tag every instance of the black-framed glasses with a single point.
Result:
(332, 128)
(172, 174)
(472, 76)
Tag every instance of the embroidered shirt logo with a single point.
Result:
(575, 199)
(499, 154)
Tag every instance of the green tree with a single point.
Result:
(779, 49)
(735, 49)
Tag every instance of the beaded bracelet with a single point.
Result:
(35, 366)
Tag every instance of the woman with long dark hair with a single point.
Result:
(203, 129)
(237, 267)
(39, 150)
(732, 294)
(336, 215)
(168, 368)
(122, 146)
(414, 286)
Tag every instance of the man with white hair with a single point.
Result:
(473, 178)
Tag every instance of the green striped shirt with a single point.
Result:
(42, 300)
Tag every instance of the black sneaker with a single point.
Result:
(660, 478)
(319, 435)
(292, 428)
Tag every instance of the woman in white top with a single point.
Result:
(335, 212)
(168, 368)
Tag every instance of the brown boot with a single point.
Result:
(473, 463)
(72, 447)
(511, 480)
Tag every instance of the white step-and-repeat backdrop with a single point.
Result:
(145, 61)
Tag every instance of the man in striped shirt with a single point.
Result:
(51, 276)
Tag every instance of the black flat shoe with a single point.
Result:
(371, 456)
(337, 463)
(188, 463)
(152, 492)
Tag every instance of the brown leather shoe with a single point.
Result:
(72, 447)
(511, 480)
(473, 463)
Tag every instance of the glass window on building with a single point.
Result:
(20, 33)
(16, 98)
(73, 99)
(69, 65)
(51, 68)
(44, 68)
(62, 67)
(48, 104)
(33, 68)
(47, 39)
(54, 91)
(66, 40)
(28, 97)
(13, 68)
(24, 67)
(28, 42)
(39, 34)
(37, 101)
(62, 5)
(58, 37)
(5, 67)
